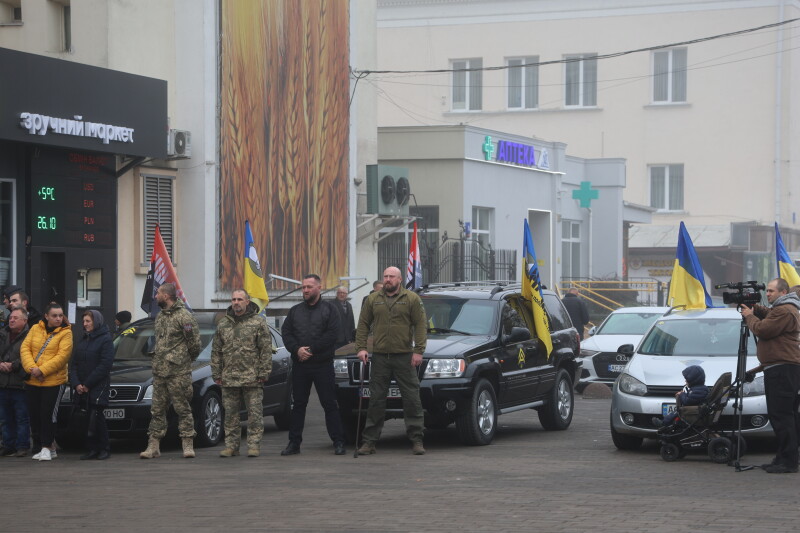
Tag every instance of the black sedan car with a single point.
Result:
(131, 392)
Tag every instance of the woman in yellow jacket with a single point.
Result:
(44, 354)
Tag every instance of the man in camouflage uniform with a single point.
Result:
(177, 345)
(241, 359)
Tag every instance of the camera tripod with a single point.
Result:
(741, 371)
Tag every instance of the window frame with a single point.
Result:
(526, 91)
(666, 206)
(582, 60)
(567, 239)
(669, 76)
(166, 221)
(472, 84)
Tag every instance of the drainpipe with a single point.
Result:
(778, 115)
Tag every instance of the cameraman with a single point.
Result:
(778, 330)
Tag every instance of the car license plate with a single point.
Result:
(668, 408)
(114, 414)
(394, 392)
(616, 368)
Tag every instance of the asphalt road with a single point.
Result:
(528, 480)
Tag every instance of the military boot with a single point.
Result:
(368, 448)
(417, 448)
(188, 447)
(152, 450)
(229, 452)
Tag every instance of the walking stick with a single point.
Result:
(360, 398)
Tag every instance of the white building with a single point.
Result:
(705, 122)
(178, 41)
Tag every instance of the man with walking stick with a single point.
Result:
(397, 319)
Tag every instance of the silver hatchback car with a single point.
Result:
(646, 387)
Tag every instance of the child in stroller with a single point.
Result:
(697, 426)
(694, 393)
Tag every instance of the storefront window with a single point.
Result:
(7, 232)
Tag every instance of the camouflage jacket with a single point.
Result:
(177, 341)
(242, 350)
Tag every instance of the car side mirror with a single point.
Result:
(626, 349)
(517, 335)
(592, 330)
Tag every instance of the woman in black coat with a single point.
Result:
(90, 377)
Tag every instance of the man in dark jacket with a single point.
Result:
(309, 333)
(778, 330)
(347, 320)
(577, 310)
(13, 409)
(21, 299)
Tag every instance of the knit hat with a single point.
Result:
(123, 316)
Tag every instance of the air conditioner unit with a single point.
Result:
(179, 144)
(388, 190)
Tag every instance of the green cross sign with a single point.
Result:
(488, 148)
(586, 194)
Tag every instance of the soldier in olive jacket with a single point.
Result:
(241, 360)
(177, 345)
(399, 328)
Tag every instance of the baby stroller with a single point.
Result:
(697, 427)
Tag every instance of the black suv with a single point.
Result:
(482, 360)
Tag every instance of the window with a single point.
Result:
(669, 75)
(523, 83)
(581, 80)
(11, 12)
(8, 232)
(666, 187)
(559, 318)
(394, 244)
(159, 192)
(570, 249)
(467, 84)
(482, 222)
(67, 16)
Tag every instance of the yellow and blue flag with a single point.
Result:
(253, 278)
(687, 287)
(532, 291)
(786, 269)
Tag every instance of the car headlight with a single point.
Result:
(756, 388)
(589, 353)
(444, 368)
(340, 368)
(67, 396)
(148, 393)
(630, 385)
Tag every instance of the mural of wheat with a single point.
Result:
(284, 137)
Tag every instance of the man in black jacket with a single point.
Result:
(309, 333)
(20, 299)
(347, 319)
(13, 407)
(577, 310)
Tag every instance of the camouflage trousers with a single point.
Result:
(178, 391)
(232, 399)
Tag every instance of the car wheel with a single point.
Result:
(209, 420)
(719, 450)
(625, 442)
(283, 418)
(557, 413)
(670, 452)
(738, 449)
(477, 424)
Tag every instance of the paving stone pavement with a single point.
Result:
(528, 479)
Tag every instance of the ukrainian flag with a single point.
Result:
(786, 269)
(687, 288)
(253, 278)
(532, 291)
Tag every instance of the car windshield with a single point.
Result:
(701, 337)
(627, 323)
(136, 342)
(465, 316)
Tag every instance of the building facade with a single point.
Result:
(696, 96)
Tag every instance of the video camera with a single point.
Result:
(747, 292)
